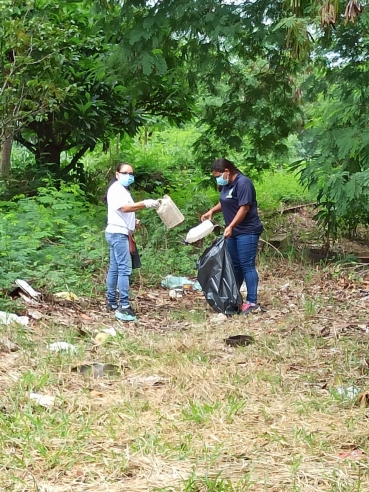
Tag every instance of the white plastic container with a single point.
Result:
(199, 232)
(169, 212)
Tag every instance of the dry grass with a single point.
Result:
(188, 413)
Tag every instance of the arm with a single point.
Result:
(133, 207)
(240, 215)
(214, 210)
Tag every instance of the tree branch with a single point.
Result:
(76, 158)
(25, 143)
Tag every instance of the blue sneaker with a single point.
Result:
(125, 314)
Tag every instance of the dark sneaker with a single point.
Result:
(111, 307)
(125, 314)
(247, 308)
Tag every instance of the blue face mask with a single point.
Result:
(126, 179)
(221, 181)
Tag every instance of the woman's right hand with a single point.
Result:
(207, 216)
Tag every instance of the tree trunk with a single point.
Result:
(48, 157)
(6, 151)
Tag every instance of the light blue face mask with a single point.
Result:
(126, 179)
(221, 181)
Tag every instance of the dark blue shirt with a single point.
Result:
(233, 195)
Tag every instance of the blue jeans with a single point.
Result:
(120, 268)
(243, 249)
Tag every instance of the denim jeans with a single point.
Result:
(243, 249)
(120, 268)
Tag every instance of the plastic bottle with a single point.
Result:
(199, 232)
(169, 212)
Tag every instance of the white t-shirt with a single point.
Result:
(118, 221)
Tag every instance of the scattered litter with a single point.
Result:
(35, 314)
(285, 287)
(350, 392)
(355, 454)
(22, 284)
(9, 318)
(170, 282)
(68, 296)
(153, 380)
(97, 370)
(28, 299)
(110, 331)
(46, 401)
(61, 346)
(175, 293)
(101, 338)
(239, 340)
(218, 318)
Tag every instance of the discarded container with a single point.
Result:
(169, 212)
(199, 232)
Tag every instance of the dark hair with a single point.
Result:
(113, 180)
(220, 165)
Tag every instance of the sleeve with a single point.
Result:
(245, 192)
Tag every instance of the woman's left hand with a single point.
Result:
(228, 231)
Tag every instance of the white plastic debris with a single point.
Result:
(110, 331)
(61, 346)
(9, 318)
(218, 318)
(175, 293)
(27, 288)
(46, 401)
(35, 314)
(350, 392)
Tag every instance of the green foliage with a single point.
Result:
(277, 187)
(53, 240)
(93, 98)
(335, 144)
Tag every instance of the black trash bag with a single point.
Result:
(217, 279)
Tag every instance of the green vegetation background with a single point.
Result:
(55, 239)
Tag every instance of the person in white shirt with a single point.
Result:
(121, 224)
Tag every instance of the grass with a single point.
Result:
(277, 188)
(186, 412)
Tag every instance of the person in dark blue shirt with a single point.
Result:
(243, 225)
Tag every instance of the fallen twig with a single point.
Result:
(271, 245)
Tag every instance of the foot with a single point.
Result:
(111, 307)
(125, 314)
(249, 307)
